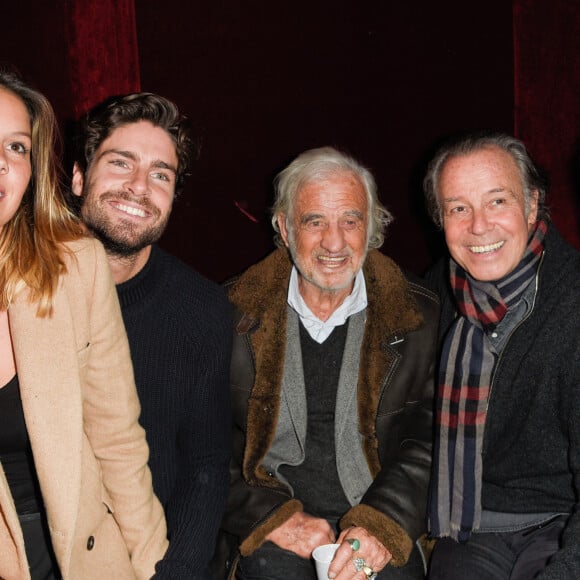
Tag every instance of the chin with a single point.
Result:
(487, 275)
(337, 286)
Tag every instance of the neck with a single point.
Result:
(124, 268)
(322, 302)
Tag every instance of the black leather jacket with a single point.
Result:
(395, 399)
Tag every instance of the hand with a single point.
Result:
(371, 551)
(301, 534)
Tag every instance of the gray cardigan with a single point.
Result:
(288, 444)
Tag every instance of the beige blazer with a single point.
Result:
(81, 411)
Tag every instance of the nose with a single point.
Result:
(333, 238)
(138, 183)
(479, 222)
(3, 162)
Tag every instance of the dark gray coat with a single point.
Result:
(531, 449)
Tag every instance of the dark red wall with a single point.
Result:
(263, 81)
(267, 80)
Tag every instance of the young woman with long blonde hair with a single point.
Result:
(76, 499)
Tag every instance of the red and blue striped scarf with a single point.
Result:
(467, 365)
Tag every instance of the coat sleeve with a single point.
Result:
(110, 414)
(253, 511)
(565, 563)
(257, 506)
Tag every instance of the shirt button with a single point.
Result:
(91, 543)
(494, 335)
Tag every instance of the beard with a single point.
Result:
(310, 275)
(120, 237)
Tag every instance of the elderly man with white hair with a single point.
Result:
(332, 389)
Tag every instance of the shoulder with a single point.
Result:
(562, 260)
(263, 286)
(186, 283)
(559, 276)
(196, 306)
(399, 299)
(85, 258)
(427, 299)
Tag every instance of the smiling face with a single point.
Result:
(327, 234)
(129, 187)
(15, 144)
(485, 219)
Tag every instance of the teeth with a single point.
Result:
(131, 210)
(488, 248)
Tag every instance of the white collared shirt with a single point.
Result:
(318, 329)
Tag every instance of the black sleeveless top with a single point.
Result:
(18, 464)
(15, 452)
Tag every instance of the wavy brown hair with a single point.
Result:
(31, 250)
(118, 111)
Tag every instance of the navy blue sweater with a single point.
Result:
(179, 329)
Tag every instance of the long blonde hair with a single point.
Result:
(31, 251)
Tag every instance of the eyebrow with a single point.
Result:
(488, 192)
(158, 163)
(316, 216)
(309, 217)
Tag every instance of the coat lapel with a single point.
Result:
(391, 314)
(48, 372)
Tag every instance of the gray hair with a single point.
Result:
(531, 178)
(317, 165)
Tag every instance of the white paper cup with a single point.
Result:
(323, 556)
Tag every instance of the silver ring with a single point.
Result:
(359, 563)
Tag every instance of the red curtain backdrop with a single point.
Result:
(103, 55)
(547, 99)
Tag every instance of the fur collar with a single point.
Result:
(261, 295)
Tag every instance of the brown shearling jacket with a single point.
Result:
(395, 399)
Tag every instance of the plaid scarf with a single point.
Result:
(467, 364)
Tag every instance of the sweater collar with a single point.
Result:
(136, 289)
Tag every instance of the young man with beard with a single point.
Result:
(131, 162)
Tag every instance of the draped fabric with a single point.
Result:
(546, 108)
(103, 55)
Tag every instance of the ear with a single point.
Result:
(533, 209)
(77, 180)
(282, 226)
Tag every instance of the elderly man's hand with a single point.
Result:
(369, 549)
(301, 534)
